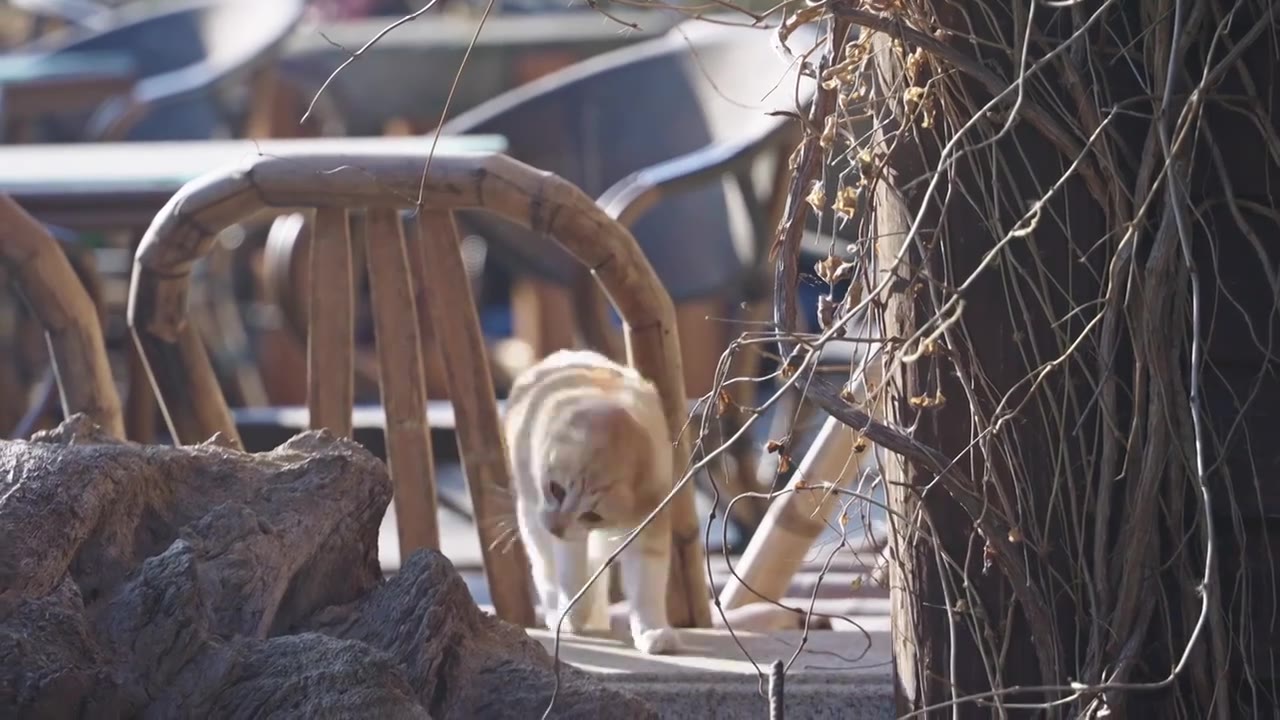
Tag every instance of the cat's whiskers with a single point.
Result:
(504, 521)
(508, 535)
(511, 536)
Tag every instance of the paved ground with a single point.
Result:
(841, 672)
(842, 589)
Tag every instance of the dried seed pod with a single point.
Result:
(827, 268)
(846, 202)
(826, 311)
(724, 403)
(926, 401)
(817, 197)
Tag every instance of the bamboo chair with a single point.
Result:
(36, 263)
(287, 279)
(408, 278)
(796, 519)
(27, 353)
(687, 185)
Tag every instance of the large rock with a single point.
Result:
(201, 581)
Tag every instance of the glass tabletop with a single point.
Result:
(74, 170)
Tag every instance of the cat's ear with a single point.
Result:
(609, 418)
(556, 491)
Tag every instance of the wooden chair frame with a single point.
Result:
(73, 329)
(383, 185)
(625, 202)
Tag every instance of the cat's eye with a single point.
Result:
(557, 491)
(590, 517)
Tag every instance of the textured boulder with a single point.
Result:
(149, 581)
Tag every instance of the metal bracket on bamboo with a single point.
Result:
(384, 184)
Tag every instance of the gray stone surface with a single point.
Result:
(835, 674)
(804, 699)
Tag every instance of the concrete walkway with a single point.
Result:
(842, 672)
(835, 674)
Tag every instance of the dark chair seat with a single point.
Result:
(192, 59)
(611, 116)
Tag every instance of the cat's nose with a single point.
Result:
(557, 529)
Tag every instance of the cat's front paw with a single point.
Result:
(579, 623)
(551, 619)
(658, 641)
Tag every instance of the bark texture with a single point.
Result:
(201, 581)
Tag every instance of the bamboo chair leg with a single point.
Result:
(433, 367)
(688, 593)
(744, 366)
(331, 323)
(702, 336)
(703, 339)
(542, 316)
(36, 262)
(181, 369)
(796, 519)
(404, 394)
(595, 322)
(140, 400)
(456, 326)
(268, 116)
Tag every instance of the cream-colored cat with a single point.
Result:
(591, 458)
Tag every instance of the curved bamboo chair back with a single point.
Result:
(73, 329)
(423, 277)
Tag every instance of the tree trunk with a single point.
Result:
(1076, 275)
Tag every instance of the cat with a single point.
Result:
(591, 457)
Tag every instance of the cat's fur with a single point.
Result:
(591, 458)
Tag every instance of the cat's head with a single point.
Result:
(591, 471)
